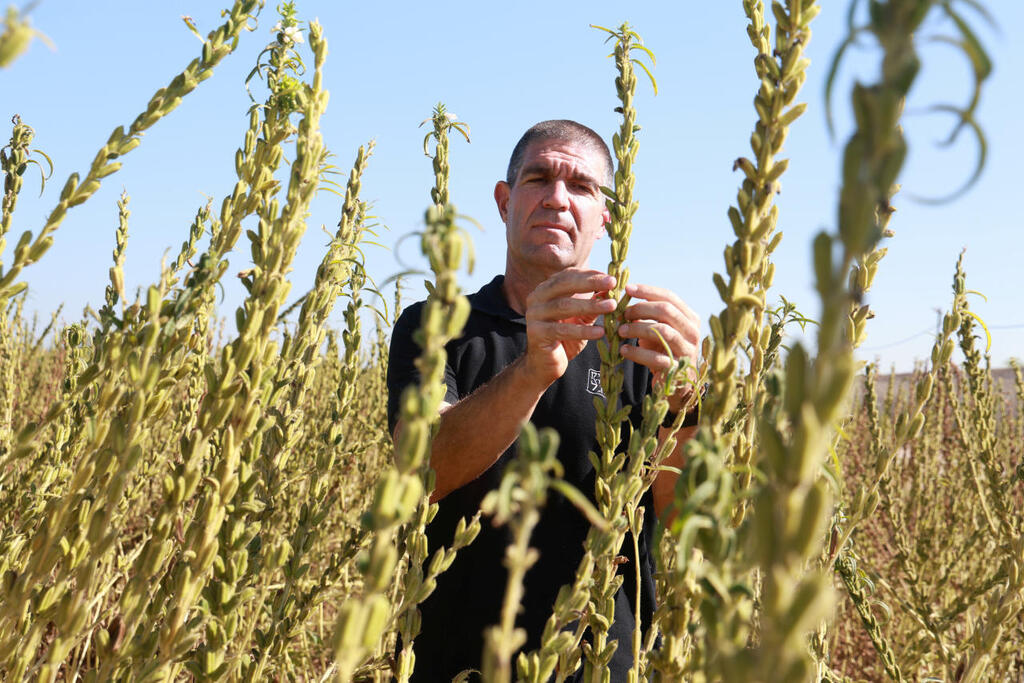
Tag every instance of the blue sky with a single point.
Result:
(502, 67)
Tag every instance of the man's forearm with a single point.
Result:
(664, 487)
(474, 432)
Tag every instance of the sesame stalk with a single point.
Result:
(614, 491)
(7, 386)
(218, 45)
(622, 208)
(816, 388)
(420, 577)
(401, 496)
(296, 367)
(17, 35)
(517, 503)
(115, 290)
(15, 158)
(846, 568)
(781, 69)
(252, 353)
(1005, 522)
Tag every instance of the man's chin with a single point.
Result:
(548, 259)
(555, 264)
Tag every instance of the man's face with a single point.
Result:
(554, 211)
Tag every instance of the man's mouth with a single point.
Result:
(553, 226)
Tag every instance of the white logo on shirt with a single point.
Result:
(594, 382)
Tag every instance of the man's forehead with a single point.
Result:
(577, 158)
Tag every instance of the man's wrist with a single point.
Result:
(528, 377)
(692, 416)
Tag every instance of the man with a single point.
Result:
(529, 352)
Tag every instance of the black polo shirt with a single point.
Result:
(469, 595)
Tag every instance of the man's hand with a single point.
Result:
(560, 319)
(661, 315)
(559, 322)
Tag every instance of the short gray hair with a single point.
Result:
(565, 131)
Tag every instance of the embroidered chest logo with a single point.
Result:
(594, 382)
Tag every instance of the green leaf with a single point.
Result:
(966, 118)
(647, 71)
(833, 70)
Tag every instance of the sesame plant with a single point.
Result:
(401, 507)
(17, 34)
(182, 504)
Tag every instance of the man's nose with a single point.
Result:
(557, 196)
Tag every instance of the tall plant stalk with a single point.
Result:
(733, 403)
(404, 489)
(613, 486)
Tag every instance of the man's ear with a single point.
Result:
(607, 217)
(502, 192)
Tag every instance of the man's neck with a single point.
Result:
(518, 285)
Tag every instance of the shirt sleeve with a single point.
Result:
(402, 370)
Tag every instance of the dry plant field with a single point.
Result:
(185, 499)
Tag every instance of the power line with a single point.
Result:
(928, 331)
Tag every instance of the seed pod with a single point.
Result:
(924, 389)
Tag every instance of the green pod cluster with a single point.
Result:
(816, 391)
(993, 480)
(733, 402)
(115, 290)
(245, 546)
(615, 487)
(15, 158)
(517, 503)
(444, 253)
(401, 495)
(704, 619)
(559, 652)
(16, 36)
(295, 369)
(218, 45)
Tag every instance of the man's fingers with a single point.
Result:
(656, 334)
(661, 310)
(558, 331)
(569, 307)
(652, 294)
(569, 282)
(656, 360)
(665, 313)
(659, 344)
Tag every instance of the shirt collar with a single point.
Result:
(490, 299)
